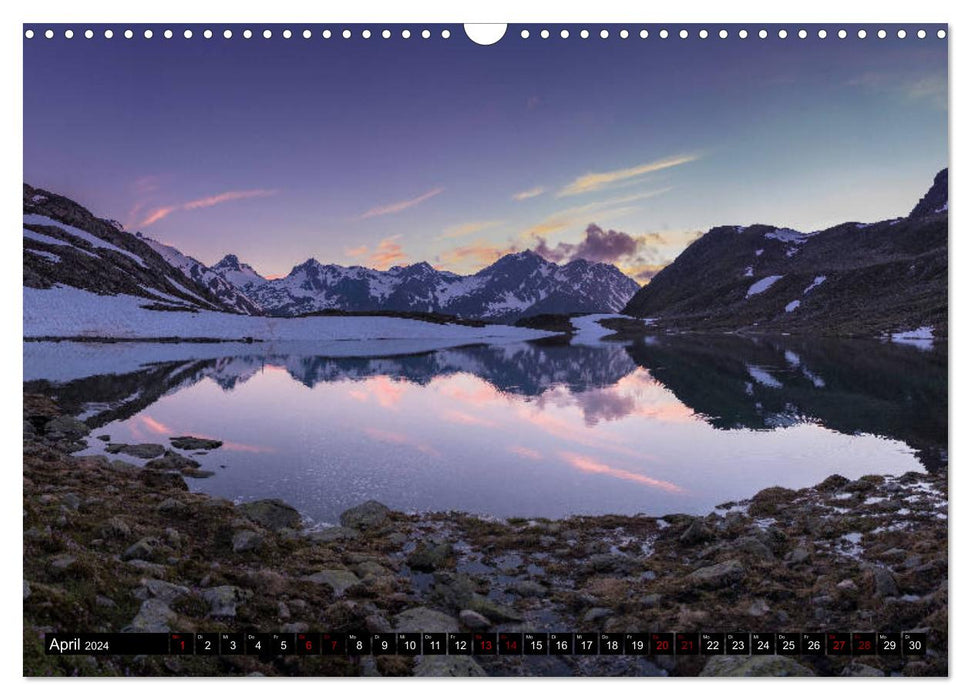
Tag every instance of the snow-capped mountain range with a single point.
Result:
(64, 244)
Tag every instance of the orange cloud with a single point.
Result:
(401, 206)
(227, 197)
(387, 253)
(474, 255)
(591, 182)
(159, 213)
(529, 194)
(590, 466)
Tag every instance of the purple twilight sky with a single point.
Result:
(392, 151)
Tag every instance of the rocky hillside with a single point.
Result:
(65, 244)
(517, 285)
(871, 279)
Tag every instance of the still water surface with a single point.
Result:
(669, 424)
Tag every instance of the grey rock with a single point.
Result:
(104, 601)
(62, 562)
(295, 627)
(71, 500)
(371, 568)
(430, 556)
(773, 666)
(338, 580)
(696, 533)
(377, 623)
(224, 599)
(26, 590)
(153, 616)
(884, 582)
(753, 546)
(246, 541)
(171, 461)
(190, 442)
(271, 513)
(610, 563)
(448, 666)
(424, 619)
(721, 574)
(143, 549)
(146, 450)
(797, 555)
(528, 589)
(595, 615)
(370, 515)
(157, 570)
(473, 620)
(163, 590)
(104, 438)
(193, 473)
(115, 527)
(758, 608)
(652, 600)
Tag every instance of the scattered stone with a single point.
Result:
(246, 541)
(143, 549)
(797, 556)
(190, 442)
(473, 620)
(173, 508)
(172, 462)
(833, 483)
(115, 528)
(153, 616)
(595, 615)
(753, 546)
(71, 500)
(295, 627)
(377, 624)
(62, 562)
(26, 590)
(104, 438)
(758, 608)
(424, 619)
(339, 580)
(610, 563)
(163, 590)
(192, 473)
(271, 513)
(370, 515)
(754, 666)
(142, 451)
(884, 583)
(528, 589)
(224, 599)
(722, 574)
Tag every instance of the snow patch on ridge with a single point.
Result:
(762, 285)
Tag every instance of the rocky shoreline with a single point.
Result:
(110, 547)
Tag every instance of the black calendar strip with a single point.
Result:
(492, 644)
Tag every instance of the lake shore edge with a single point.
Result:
(109, 546)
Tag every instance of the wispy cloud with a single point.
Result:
(570, 218)
(529, 194)
(473, 255)
(591, 182)
(402, 205)
(467, 229)
(387, 253)
(158, 213)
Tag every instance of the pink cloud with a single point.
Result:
(591, 466)
(463, 418)
(527, 452)
(158, 213)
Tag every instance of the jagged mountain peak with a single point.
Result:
(935, 200)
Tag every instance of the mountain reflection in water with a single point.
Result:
(669, 424)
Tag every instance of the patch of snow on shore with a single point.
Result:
(922, 338)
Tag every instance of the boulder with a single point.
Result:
(721, 574)
(143, 549)
(696, 533)
(65, 427)
(473, 620)
(370, 515)
(271, 513)
(154, 616)
(146, 450)
(333, 534)
(171, 461)
(163, 590)
(246, 541)
(338, 580)
(190, 442)
(430, 556)
(224, 599)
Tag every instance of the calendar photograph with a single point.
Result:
(577, 350)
